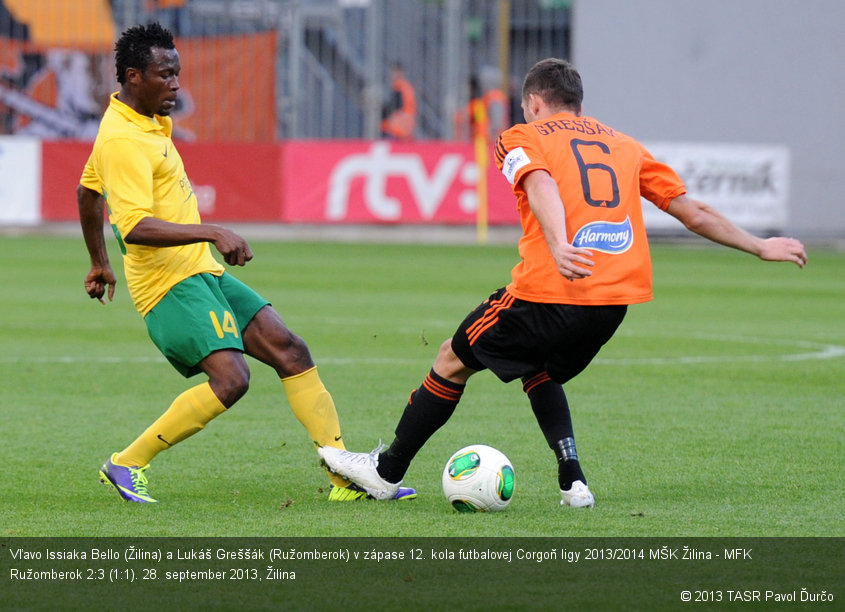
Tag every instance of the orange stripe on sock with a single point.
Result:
(440, 390)
(433, 385)
(532, 382)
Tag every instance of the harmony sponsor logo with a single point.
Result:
(606, 237)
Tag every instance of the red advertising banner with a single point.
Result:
(232, 182)
(235, 182)
(388, 182)
(311, 182)
(62, 162)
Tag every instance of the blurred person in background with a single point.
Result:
(487, 112)
(495, 102)
(400, 113)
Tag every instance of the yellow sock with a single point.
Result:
(188, 414)
(313, 405)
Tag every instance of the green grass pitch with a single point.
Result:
(717, 410)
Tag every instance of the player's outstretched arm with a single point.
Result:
(91, 205)
(706, 221)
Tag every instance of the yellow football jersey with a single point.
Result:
(136, 167)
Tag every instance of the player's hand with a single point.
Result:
(233, 248)
(98, 278)
(571, 260)
(784, 249)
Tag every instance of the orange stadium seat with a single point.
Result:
(74, 23)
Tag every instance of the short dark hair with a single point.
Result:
(134, 47)
(556, 81)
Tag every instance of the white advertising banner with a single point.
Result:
(749, 184)
(20, 180)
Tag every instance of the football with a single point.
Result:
(478, 478)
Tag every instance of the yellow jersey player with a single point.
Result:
(200, 317)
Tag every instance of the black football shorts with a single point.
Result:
(514, 338)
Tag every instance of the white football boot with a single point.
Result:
(578, 496)
(360, 468)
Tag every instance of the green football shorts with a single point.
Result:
(202, 314)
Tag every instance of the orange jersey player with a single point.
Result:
(584, 256)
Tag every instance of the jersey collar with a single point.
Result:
(147, 124)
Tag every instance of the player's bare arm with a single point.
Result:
(101, 275)
(150, 231)
(544, 199)
(706, 221)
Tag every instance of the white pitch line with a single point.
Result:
(69, 359)
(81, 359)
(830, 351)
(816, 351)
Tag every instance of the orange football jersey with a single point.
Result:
(601, 174)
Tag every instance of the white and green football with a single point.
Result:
(478, 478)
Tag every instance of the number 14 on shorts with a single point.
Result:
(228, 327)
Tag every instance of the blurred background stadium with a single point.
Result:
(744, 99)
(327, 61)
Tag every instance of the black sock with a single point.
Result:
(428, 409)
(548, 401)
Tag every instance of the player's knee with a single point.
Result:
(288, 355)
(449, 365)
(231, 388)
(294, 344)
(445, 350)
(296, 357)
